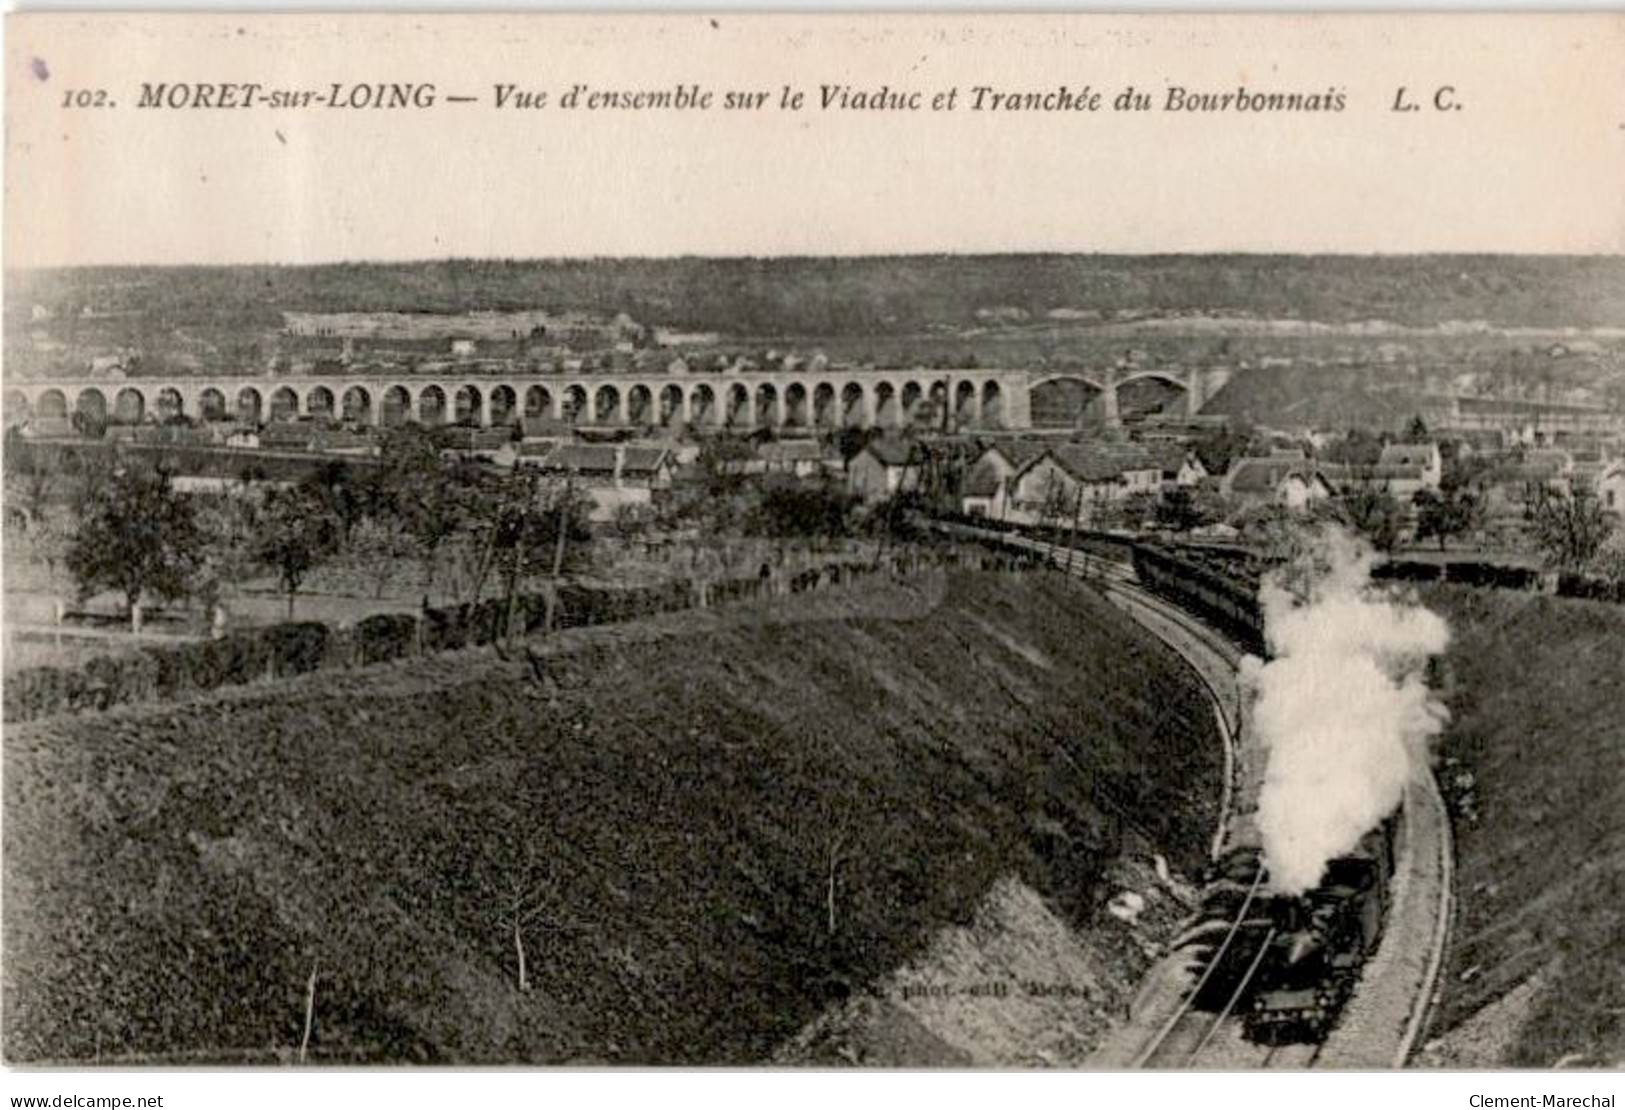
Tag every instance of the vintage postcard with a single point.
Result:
(815, 541)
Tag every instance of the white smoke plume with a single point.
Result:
(1343, 708)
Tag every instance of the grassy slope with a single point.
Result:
(664, 809)
(1317, 397)
(1537, 686)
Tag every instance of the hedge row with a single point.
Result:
(1592, 589)
(168, 672)
(1463, 572)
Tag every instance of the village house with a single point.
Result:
(1180, 465)
(243, 436)
(48, 427)
(986, 490)
(493, 445)
(1293, 483)
(1400, 481)
(803, 458)
(1611, 487)
(344, 441)
(1512, 483)
(544, 429)
(1423, 456)
(609, 465)
(883, 468)
(800, 458)
(168, 435)
(613, 475)
(287, 435)
(1078, 480)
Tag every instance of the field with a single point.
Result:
(661, 808)
(1535, 772)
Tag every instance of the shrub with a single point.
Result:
(1489, 574)
(297, 647)
(1408, 570)
(385, 636)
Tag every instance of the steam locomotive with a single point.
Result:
(1292, 961)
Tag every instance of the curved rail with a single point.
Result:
(1174, 1019)
(1427, 994)
(1235, 996)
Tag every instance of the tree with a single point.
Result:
(1417, 430)
(1609, 561)
(1447, 513)
(335, 484)
(849, 440)
(632, 520)
(30, 480)
(1373, 512)
(295, 532)
(229, 523)
(1357, 448)
(1137, 509)
(892, 521)
(380, 543)
(430, 497)
(793, 510)
(1569, 528)
(719, 462)
(1056, 499)
(136, 535)
(1179, 510)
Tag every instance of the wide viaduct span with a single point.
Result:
(975, 399)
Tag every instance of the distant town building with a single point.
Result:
(1531, 423)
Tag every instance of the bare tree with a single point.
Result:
(835, 852)
(1570, 528)
(533, 903)
(310, 1012)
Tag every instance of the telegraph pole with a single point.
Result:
(1077, 515)
(558, 550)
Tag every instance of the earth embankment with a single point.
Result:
(700, 831)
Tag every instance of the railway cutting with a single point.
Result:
(1340, 976)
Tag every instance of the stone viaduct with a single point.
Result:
(973, 399)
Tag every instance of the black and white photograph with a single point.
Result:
(808, 543)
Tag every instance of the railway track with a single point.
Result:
(1383, 1022)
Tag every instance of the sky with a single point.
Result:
(1530, 161)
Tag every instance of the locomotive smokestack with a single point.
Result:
(1342, 708)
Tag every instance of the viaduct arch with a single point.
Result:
(983, 399)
